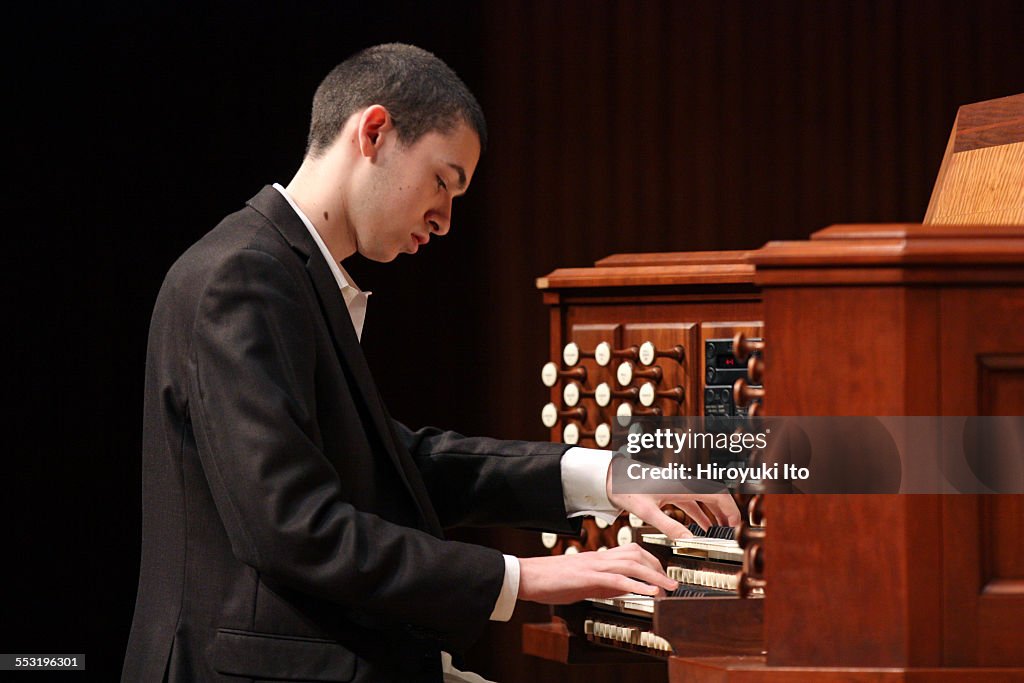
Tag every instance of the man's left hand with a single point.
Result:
(721, 509)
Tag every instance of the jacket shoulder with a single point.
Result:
(244, 231)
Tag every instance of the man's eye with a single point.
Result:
(440, 183)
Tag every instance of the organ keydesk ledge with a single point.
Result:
(892, 319)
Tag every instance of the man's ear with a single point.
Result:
(374, 122)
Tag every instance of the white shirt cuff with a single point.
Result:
(585, 483)
(506, 603)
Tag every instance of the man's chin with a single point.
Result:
(386, 257)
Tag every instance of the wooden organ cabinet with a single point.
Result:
(923, 319)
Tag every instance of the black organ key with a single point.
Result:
(713, 531)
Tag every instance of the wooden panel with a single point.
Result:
(712, 626)
(1000, 384)
(848, 581)
(983, 597)
(982, 344)
(648, 275)
(1002, 537)
(981, 355)
(983, 185)
(859, 249)
(675, 258)
(990, 123)
(815, 366)
(916, 231)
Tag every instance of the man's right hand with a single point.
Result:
(561, 579)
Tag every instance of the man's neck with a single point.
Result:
(317, 196)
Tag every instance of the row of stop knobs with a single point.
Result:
(750, 536)
(744, 395)
(626, 372)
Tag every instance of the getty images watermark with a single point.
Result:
(735, 443)
(820, 454)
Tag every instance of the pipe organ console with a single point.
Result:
(861, 320)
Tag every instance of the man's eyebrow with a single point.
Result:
(462, 175)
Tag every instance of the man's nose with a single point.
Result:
(441, 220)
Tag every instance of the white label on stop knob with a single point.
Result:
(549, 415)
(571, 354)
(635, 521)
(549, 374)
(601, 524)
(624, 410)
(571, 394)
(603, 354)
(571, 550)
(603, 394)
(647, 394)
(602, 435)
(625, 535)
(571, 434)
(548, 540)
(624, 373)
(647, 353)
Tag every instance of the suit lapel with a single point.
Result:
(347, 345)
(271, 204)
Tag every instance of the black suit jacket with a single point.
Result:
(291, 529)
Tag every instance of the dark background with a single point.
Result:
(615, 127)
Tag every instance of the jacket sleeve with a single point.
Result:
(481, 481)
(253, 405)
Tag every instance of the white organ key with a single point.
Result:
(603, 394)
(624, 410)
(624, 535)
(603, 354)
(548, 540)
(602, 435)
(601, 524)
(635, 521)
(571, 550)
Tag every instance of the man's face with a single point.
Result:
(405, 195)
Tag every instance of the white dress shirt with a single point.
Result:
(584, 471)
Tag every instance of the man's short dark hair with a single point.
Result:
(421, 93)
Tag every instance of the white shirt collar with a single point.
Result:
(355, 299)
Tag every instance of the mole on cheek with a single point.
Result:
(325, 215)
